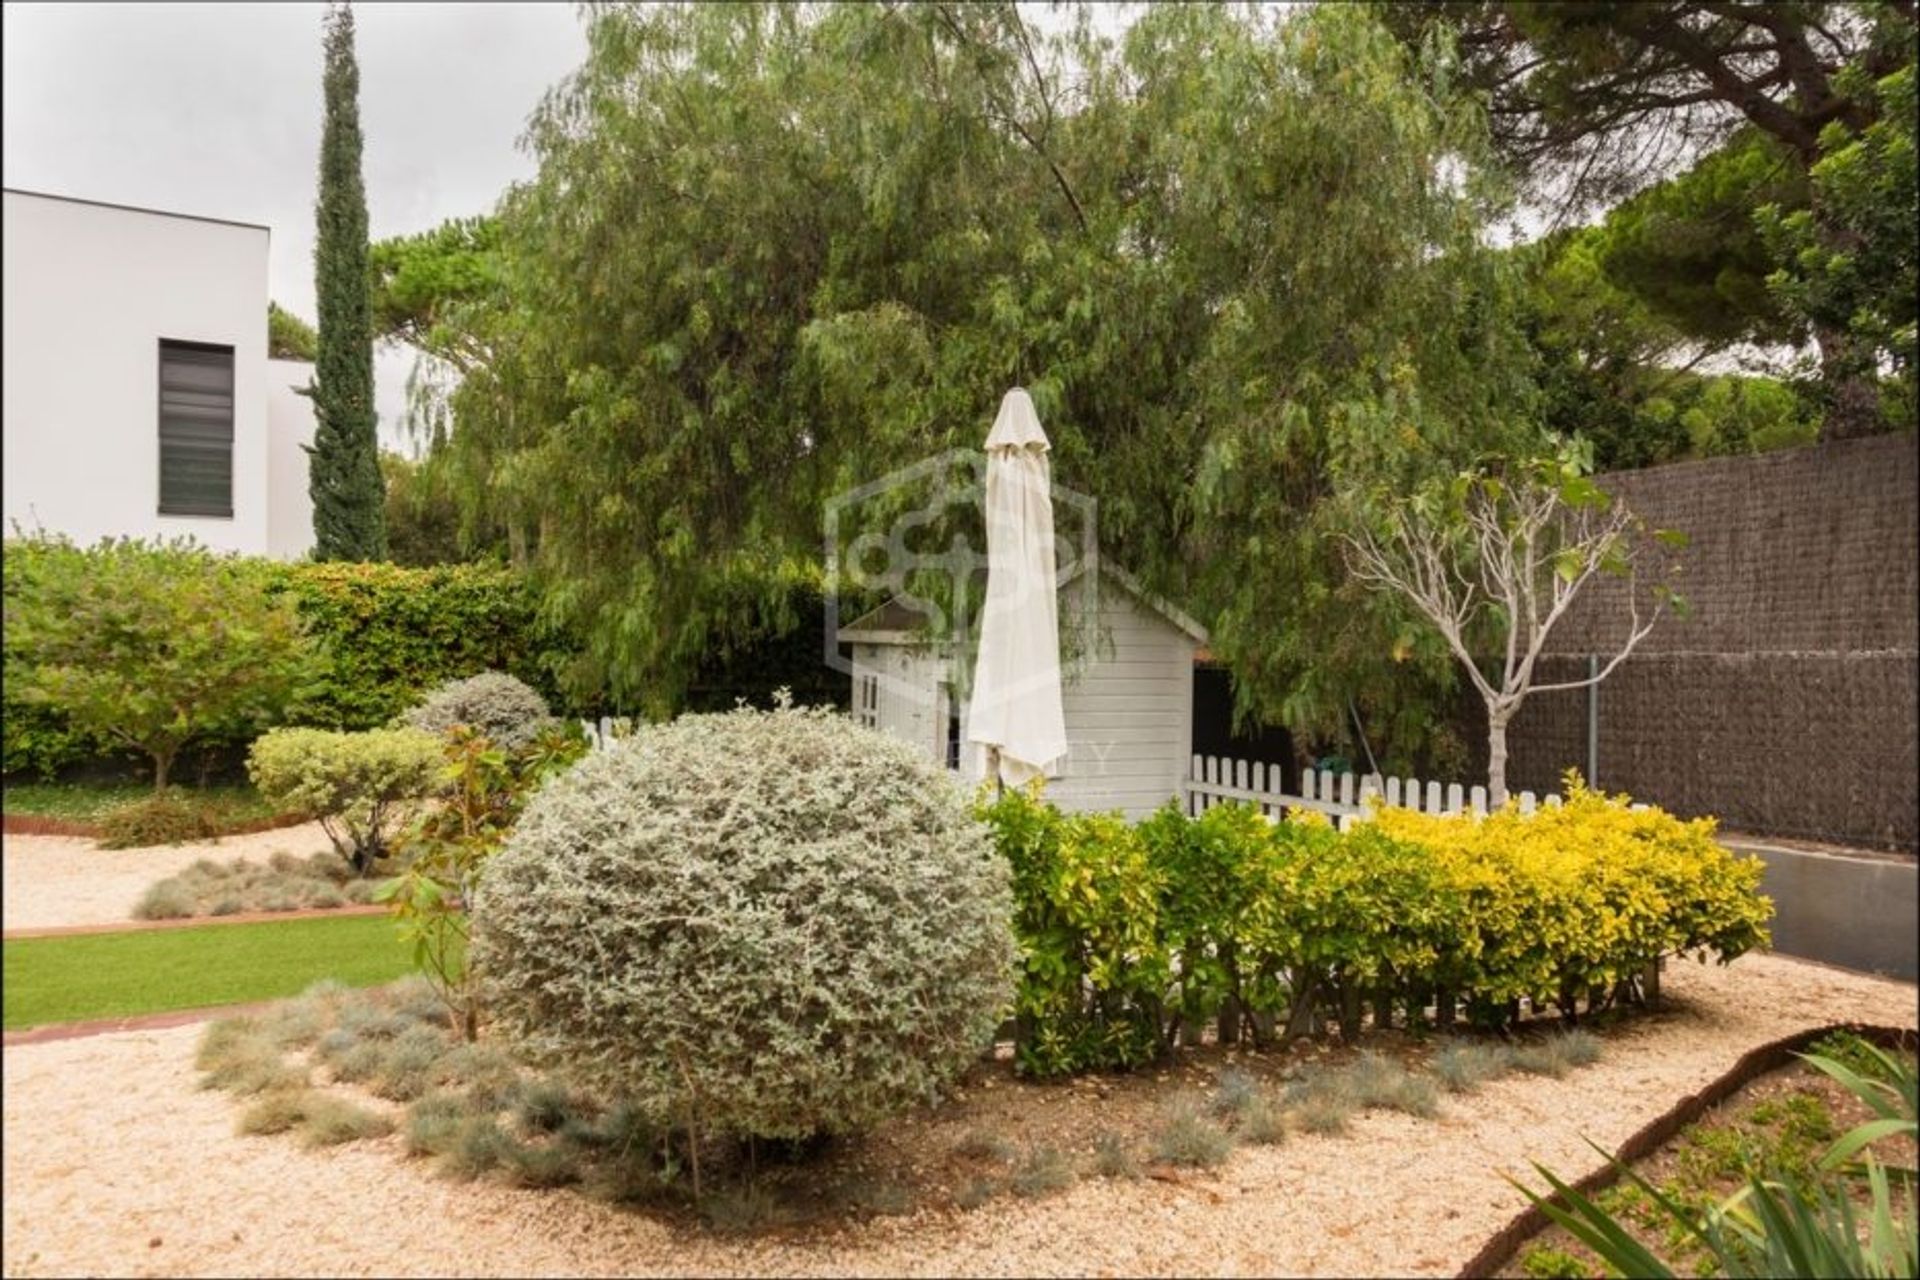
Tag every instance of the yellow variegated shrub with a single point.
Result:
(1135, 936)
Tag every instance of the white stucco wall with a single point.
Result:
(90, 290)
(289, 429)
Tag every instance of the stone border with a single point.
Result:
(192, 922)
(1505, 1244)
(52, 1031)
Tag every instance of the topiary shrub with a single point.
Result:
(357, 784)
(771, 924)
(507, 711)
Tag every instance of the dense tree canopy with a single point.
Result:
(1239, 258)
(1593, 100)
(776, 252)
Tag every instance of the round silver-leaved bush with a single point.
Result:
(510, 712)
(769, 923)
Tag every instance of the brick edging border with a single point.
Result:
(192, 922)
(1505, 1243)
(34, 824)
(50, 1032)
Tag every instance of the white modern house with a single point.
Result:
(138, 396)
(1128, 695)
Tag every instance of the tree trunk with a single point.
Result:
(1853, 402)
(1496, 758)
(162, 766)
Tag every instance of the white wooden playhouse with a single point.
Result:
(1128, 693)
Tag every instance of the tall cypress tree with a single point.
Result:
(343, 473)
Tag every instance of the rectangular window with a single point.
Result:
(196, 429)
(867, 703)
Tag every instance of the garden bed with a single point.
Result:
(1777, 1123)
(1396, 1195)
(58, 881)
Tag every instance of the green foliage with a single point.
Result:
(902, 211)
(384, 635)
(422, 517)
(394, 633)
(288, 336)
(1688, 248)
(484, 788)
(1553, 1264)
(1848, 263)
(357, 784)
(758, 923)
(1131, 934)
(1782, 1221)
(173, 816)
(153, 646)
(505, 711)
(344, 459)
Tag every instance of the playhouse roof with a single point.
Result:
(894, 622)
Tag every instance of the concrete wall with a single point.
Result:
(1862, 913)
(90, 290)
(289, 430)
(1786, 705)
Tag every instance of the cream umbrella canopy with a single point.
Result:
(1015, 716)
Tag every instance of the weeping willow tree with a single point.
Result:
(775, 252)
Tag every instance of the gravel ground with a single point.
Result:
(66, 880)
(115, 1164)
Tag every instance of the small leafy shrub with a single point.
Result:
(448, 847)
(775, 924)
(1188, 1137)
(1553, 1264)
(169, 817)
(358, 784)
(977, 1193)
(509, 713)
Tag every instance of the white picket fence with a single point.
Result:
(1341, 796)
(609, 730)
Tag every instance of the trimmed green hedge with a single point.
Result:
(1135, 938)
(390, 633)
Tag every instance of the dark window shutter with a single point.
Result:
(196, 429)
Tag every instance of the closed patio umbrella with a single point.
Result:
(1015, 715)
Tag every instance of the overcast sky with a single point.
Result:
(214, 109)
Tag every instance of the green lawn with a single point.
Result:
(112, 975)
(89, 802)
